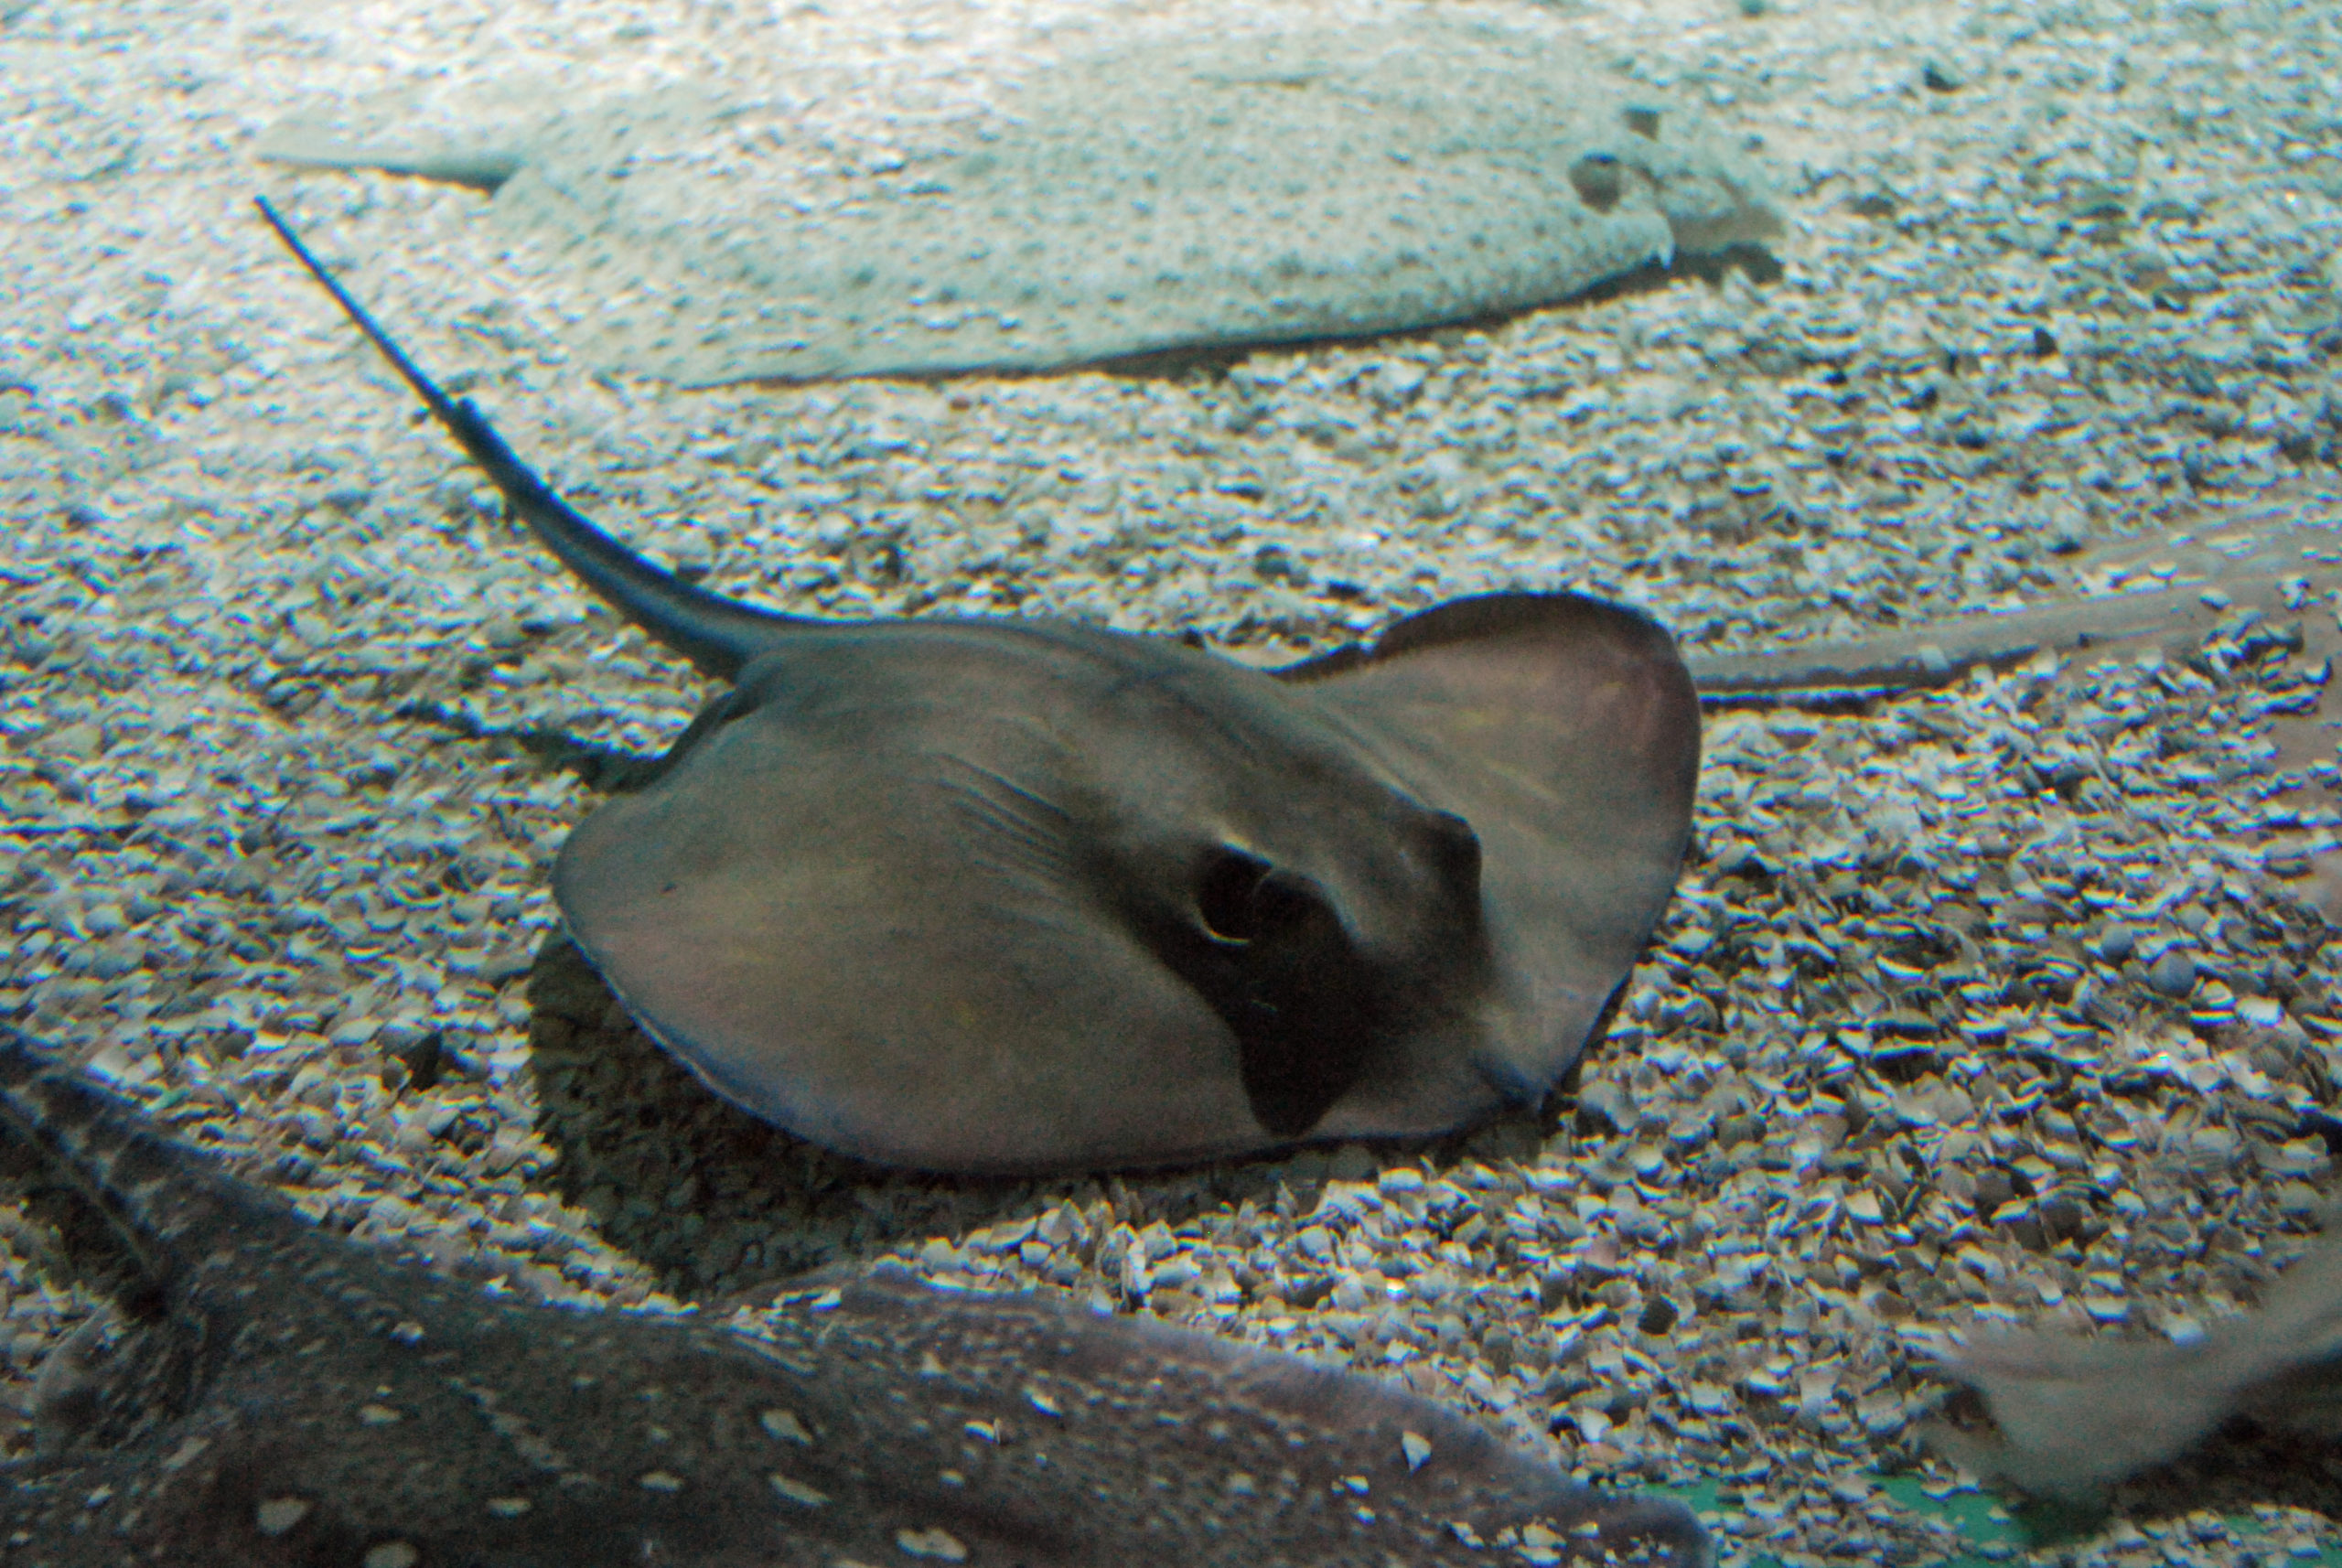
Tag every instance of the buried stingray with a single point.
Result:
(269, 1392)
(1222, 185)
(995, 895)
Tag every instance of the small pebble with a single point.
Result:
(2173, 972)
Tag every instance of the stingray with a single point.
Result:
(2215, 589)
(271, 1394)
(2072, 1417)
(1018, 894)
(1174, 193)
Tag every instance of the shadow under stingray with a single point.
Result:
(711, 1197)
(2240, 1467)
(719, 1203)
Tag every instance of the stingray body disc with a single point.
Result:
(1016, 896)
(1184, 192)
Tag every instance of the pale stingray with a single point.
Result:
(1018, 895)
(2072, 1417)
(1193, 190)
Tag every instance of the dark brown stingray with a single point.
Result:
(1019, 894)
(276, 1395)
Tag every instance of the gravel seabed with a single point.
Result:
(2000, 1004)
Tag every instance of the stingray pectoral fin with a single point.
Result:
(2073, 1415)
(2076, 1415)
(1567, 733)
(885, 1000)
(815, 917)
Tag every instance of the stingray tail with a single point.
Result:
(484, 171)
(131, 1209)
(716, 634)
(139, 1200)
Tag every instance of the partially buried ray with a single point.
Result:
(2268, 571)
(2072, 1417)
(1191, 191)
(278, 1395)
(1021, 895)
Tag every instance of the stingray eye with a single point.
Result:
(1598, 182)
(1242, 898)
(1224, 894)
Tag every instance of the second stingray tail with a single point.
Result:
(482, 170)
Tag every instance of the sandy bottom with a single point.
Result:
(292, 723)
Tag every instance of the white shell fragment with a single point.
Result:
(1182, 192)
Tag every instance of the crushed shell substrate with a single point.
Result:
(2007, 1004)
